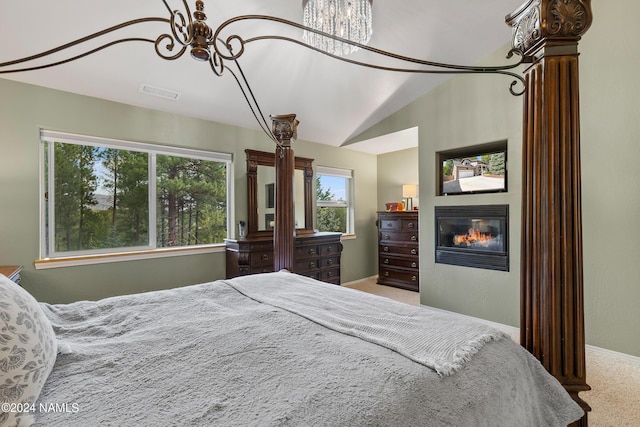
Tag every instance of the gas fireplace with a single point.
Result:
(473, 236)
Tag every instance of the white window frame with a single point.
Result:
(94, 256)
(348, 203)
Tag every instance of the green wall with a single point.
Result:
(470, 110)
(394, 170)
(25, 109)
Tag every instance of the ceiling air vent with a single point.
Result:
(159, 92)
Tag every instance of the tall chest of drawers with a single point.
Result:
(398, 252)
(316, 255)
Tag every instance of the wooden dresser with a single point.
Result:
(398, 252)
(316, 255)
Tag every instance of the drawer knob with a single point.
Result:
(414, 238)
(386, 236)
(389, 224)
(411, 225)
(264, 257)
(414, 265)
(386, 260)
(329, 262)
(386, 274)
(414, 278)
(413, 252)
(312, 264)
(386, 249)
(312, 251)
(329, 249)
(329, 274)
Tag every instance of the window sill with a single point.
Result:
(43, 264)
(348, 236)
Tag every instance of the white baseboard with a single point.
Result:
(514, 332)
(629, 358)
(359, 281)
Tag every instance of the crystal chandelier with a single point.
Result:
(347, 19)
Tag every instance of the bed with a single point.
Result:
(494, 387)
(273, 349)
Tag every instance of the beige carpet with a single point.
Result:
(614, 378)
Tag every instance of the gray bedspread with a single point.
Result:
(215, 355)
(442, 346)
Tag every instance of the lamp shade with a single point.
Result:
(409, 190)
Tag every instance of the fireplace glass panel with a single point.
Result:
(472, 233)
(473, 236)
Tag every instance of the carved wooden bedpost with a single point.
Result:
(285, 130)
(552, 303)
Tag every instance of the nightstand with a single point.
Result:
(12, 272)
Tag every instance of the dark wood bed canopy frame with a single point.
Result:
(552, 303)
(546, 34)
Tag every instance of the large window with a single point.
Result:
(105, 196)
(334, 207)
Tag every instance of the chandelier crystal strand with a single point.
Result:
(348, 19)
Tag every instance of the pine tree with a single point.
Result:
(75, 185)
(496, 164)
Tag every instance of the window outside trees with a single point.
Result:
(102, 195)
(334, 210)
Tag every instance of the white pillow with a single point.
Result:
(27, 351)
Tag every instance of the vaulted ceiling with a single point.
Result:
(334, 101)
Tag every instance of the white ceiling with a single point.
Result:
(334, 101)
(395, 141)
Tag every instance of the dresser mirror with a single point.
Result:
(261, 193)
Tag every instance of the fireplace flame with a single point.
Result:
(473, 236)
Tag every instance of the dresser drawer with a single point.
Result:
(398, 275)
(312, 264)
(409, 225)
(261, 258)
(393, 223)
(407, 249)
(315, 274)
(399, 236)
(399, 262)
(256, 269)
(307, 252)
(308, 264)
(389, 224)
(329, 262)
(262, 246)
(331, 276)
(330, 249)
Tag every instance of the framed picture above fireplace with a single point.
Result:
(473, 236)
(476, 169)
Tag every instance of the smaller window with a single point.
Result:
(334, 205)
